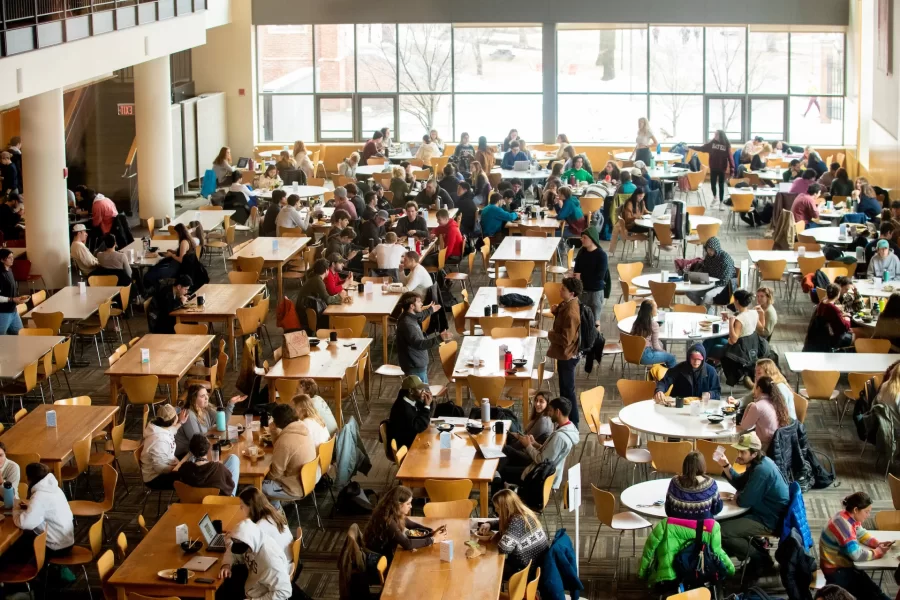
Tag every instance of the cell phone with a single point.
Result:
(204, 580)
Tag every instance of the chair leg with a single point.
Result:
(316, 506)
(596, 537)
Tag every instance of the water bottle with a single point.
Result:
(659, 148)
(507, 360)
(221, 419)
(215, 452)
(9, 494)
(885, 277)
(485, 411)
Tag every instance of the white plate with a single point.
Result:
(170, 574)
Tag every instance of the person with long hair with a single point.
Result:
(301, 158)
(551, 190)
(201, 416)
(563, 141)
(767, 413)
(182, 261)
(721, 161)
(353, 580)
(761, 158)
(222, 166)
(693, 495)
(539, 426)
(844, 542)
(742, 323)
(610, 173)
(268, 179)
(521, 537)
(765, 311)
(850, 301)
(829, 328)
(841, 185)
(10, 321)
(634, 208)
(865, 194)
(272, 522)
(399, 187)
(309, 387)
(47, 510)
(481, 186)
(766, 368)
(464, 154)
(510, 137)
(198, 236)
(889, 392)
(568, 209)
(390, 520)
(309, 416)
(645, 326)
(556, 170)
(569, 154)
(436, 139)
(285, 162)
(484, 154)
(644, 141)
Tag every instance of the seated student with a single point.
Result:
(166, 300)
(555, 449)
(289, 216)
(386, 529)
(199, 471)
(568, 209)
(47, 510)
(844, 542)
(885, 232)
(883, 260)
(411, 412)
(766, 367)
(294, 447)
(412, 223)
(427, 151)
(353, 571)
(646, 326)
(9, 471)
(763, 490)
(690, 378)
(399, 187)
(268, 226)
(201, 416)
(417, 279)
(827, 178)
(578, 172)
(519, 533)
(633, 209)
(741, 324)
(767, 318)
(868, 202)
(450, 182)
(268, 570)
(314, 287)
(389, 256)
(342, 246)
(373, 229)
(308, 386)
(113, 261)
(718, 264)
(841, 184)
(829, 327)
(431, 194)
(693, 495)
(84, 260)
(802, 183)
(512, 156)
(158, 455)
(794, 170)
(626, 185)
(539, 425)
(767, 413)
(453, 240)
(239, 188)
(272, 523)
(850, 301)
(309, 416)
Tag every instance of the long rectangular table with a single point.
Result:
(420, 574)
(376, 306)
(843, 363)
(19, 351)
(74, 305)
(486, 348)
(789, 255)
(488, 295)
(208, 219)
(541, 250)
(276, 252)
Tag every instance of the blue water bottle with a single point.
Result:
(9, 495)
(659, 148)
(221, 419)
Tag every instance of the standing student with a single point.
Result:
(644, 142)
(563, 338)
(10, 321)
(412, 344)
(721, 161)
(591, 265)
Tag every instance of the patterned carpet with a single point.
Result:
(319, 575)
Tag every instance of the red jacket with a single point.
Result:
(333, 283)
(453, 240)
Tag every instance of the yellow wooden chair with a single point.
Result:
(894, 484)
(708, 449)
(621, 435)
(22, 387)
(453, 509)
(222, 500)
(663, 293)
(82, 451)
(605, 510)
(188, 494)
(52, 321)
(624, 310)
(517, 584)
(761, 244)
(872, 346)
(689, 308)
(447, 490)
(740, 204)
(668, 457)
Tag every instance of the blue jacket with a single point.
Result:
(796, 516)
(764, 491)
(350, 453)
(869, 206)
(493, 217)
(208, 186)
(509, 159)
(559, 571)
(570, 211)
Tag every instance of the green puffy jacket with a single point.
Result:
(668, 538)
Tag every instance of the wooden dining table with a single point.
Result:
(541, 250)
(222, 300)
(74, 305)
(253, 472)
(54, 444)
(487, 296)
(9, 533)
(426, 459)
(276, 251)
(327, 364)
(19, 351)
(376, 306)
(420, 574)
(158, 550)
(486, 348)
(171, 357)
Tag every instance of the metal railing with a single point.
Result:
(27, 25)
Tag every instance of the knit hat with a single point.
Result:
(592, 233)
(748, 441)
(412, 382)
(636, 171)
(882, 244)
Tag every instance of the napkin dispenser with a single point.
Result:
(447, 551)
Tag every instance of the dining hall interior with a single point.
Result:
(377, 301)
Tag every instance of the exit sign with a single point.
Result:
(126, 110)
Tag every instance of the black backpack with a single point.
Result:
(353, 500)
(448, 409)
(696, 565)
(532, 489)
(587, 331)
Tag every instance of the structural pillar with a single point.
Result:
(153, 125)
(44, 178)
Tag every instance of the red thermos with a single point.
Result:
(418, 246)
(507, 360)
(571, 180)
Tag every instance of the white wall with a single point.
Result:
(68, 64)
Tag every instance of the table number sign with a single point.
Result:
(51, 418)
(145, 355)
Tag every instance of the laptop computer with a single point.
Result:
(486, 453)
(215, 542)
(243, 162)
(659, 210)
(521, 165)
(697, 277)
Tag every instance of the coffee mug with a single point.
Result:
(499, 427)
(181, 576)
(201, 300)
(679, 402)
(495, 309)
(715, 328)
(332, 337)
(217, 523)
(487, 311)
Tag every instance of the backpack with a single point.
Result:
(448, 409)
(532, 489)
(587, 333)
(696, 565)
(353, 500)
(862, 405)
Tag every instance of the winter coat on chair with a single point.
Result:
(668, 538)
(791, 453)
(740, 358)
(796, 566)
(795, 519)
(559, 571)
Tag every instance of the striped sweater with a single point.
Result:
(843, 542)
(697, 502)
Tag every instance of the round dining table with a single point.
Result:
(369, 170)
(648, 498)
(513, 174)
(304, 191)
(681, 287)
(655, 419)
(695, 220)
(679, 327)
(871, 287)
(660, 157)
(829, 235)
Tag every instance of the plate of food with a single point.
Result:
(690, 399)
(418, 533)
(445, 427)
(170, 574)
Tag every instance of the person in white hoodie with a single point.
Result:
(256, 507)
(268, 573)
(47, 510)
(158, 455)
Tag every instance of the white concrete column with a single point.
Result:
(153, 122)
(46, 209)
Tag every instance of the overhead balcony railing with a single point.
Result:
(27, 25)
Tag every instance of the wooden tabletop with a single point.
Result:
(262, 246)
(486, 348)
(426, 460)
(9, 533)
(141, 258)
(533, 248)
(325, 361)
(249, 469)
(158, 551)
(171, 355)
(420, 574)
(546, 223)
(432, 217)
(487, 296)
(18, 351)
(54, 444)
(73, 305)
(376, 303)
(222, 300)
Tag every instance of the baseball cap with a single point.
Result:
(882, 244)
(166, 412)
(412, 382)
(748, 441)
(79, 227)
(383, 214)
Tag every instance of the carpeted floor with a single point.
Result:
(319, 574)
